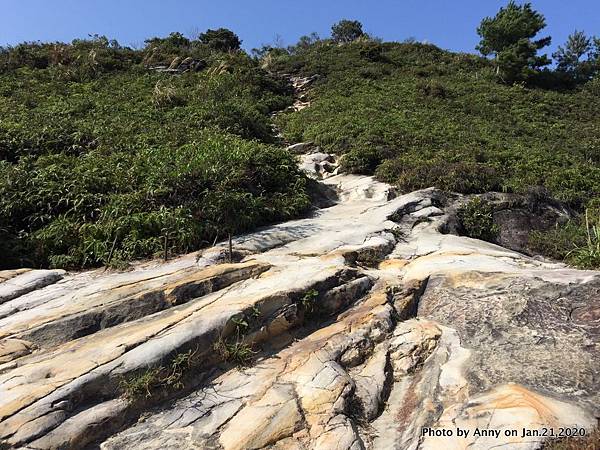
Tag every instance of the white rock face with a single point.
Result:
(21, 282)
(359, 327)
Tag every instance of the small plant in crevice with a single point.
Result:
(241, 325)
(308, 302)
(254, 313)
(144, 384)
(234, 349)
(236, 352)
(477, 220)
(174, 373)
(141, 385)
(369, 258)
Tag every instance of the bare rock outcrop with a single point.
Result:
(360, 327)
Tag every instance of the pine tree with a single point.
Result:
(509, 37)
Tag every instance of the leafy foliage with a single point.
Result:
(82, 60)
(509, 37)
(222, 40)
(477, 220)
(417, 116)
(577, 242)
(570, 57)
(347, 31)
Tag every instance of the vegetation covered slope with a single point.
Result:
(419, 116)
(103, 161)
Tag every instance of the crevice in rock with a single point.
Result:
(338, 293)
(136, 307)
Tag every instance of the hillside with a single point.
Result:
(102, 162)
(418, 116)
(105, 161)
(335, 246)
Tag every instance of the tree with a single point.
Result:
(307, 41)
(175, 40)
(221, 40)
(347, 31)
(509, 37)
(570, 58)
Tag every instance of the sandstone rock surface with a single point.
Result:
(363, 326)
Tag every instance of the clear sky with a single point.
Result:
(448, 24)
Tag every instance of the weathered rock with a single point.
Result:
(23, 282)
(301, 148)
(67, 314)
(514, 322)
(13, 348)
(518, 215)
(348, 351)
(8, 274)
(319, 165)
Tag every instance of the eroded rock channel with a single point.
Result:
(354, 328)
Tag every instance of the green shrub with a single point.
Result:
(477, 220)
(363, 162)
(93, 209)
(576, 242)
(466, 178)
(222, 40)
(433, 89)
(165, 95)
(347, 31)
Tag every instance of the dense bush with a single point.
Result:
(477, 220)
(105, 169)
(81, 60)
(222, 40)
(347, 31)
(79, 211)
(106, 207)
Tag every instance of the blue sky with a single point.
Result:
(448, 24)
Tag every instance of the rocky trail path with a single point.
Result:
(355, 328)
